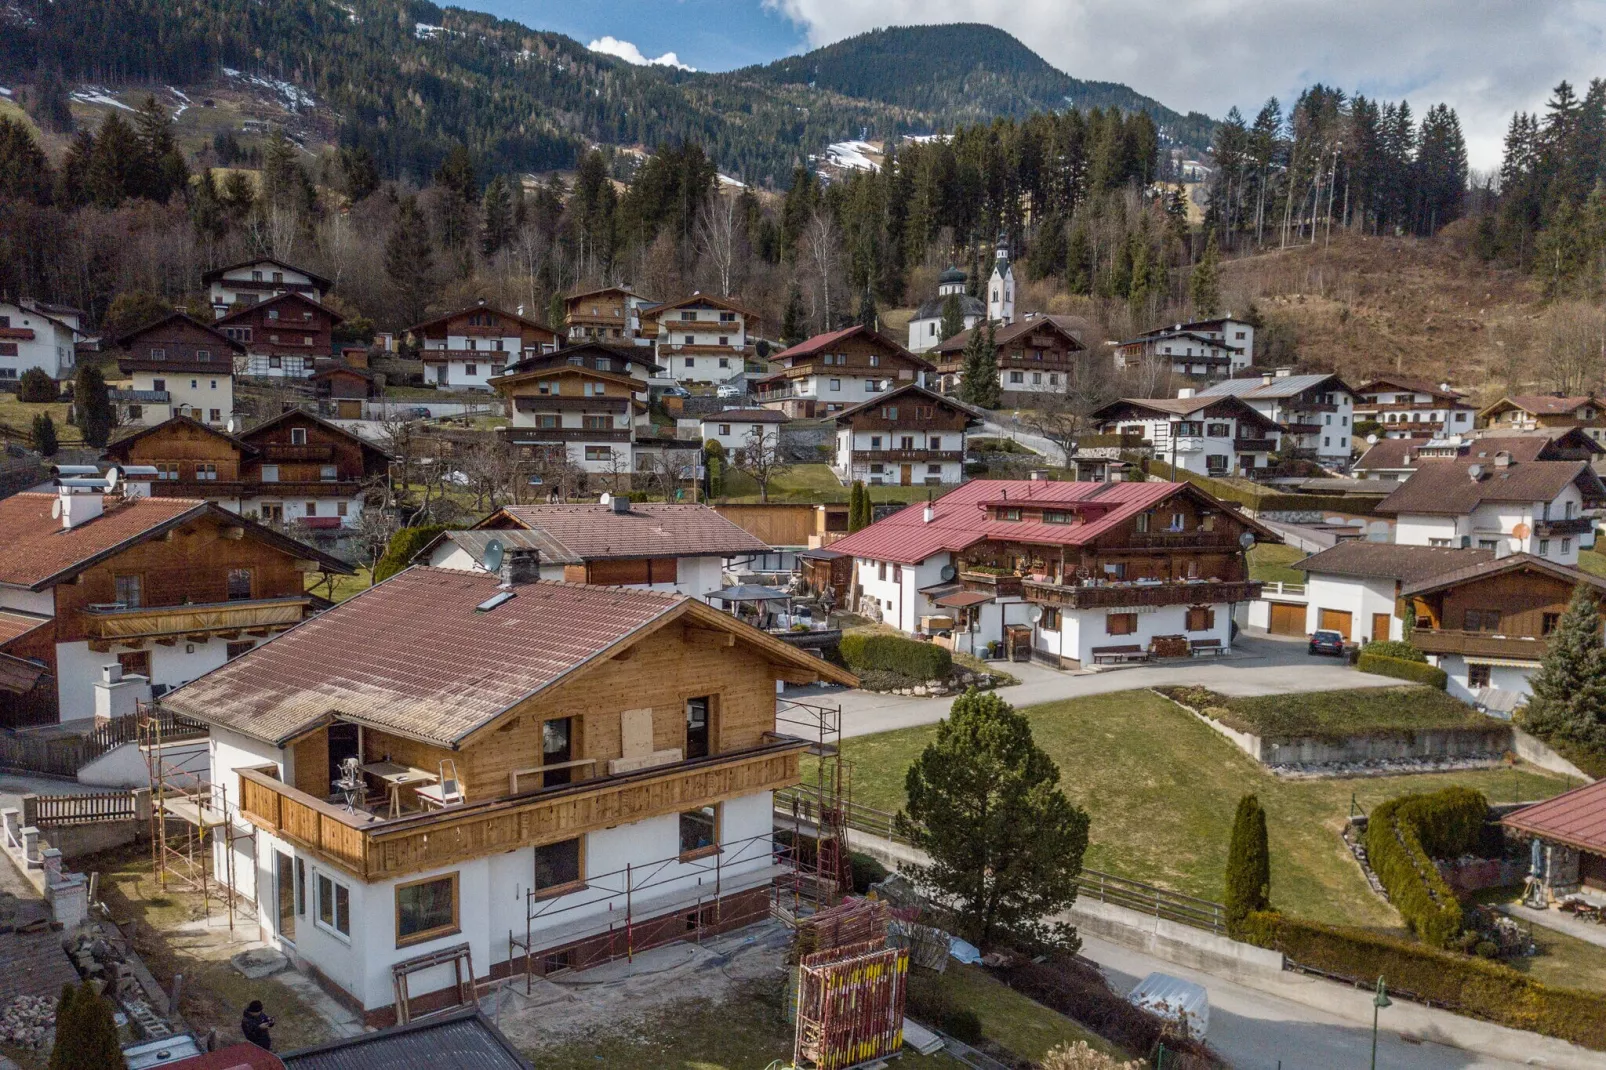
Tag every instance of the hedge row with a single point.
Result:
(1471, 986)
(1395, 648)
(1400, 669)
(922, 661)
(1404, 835)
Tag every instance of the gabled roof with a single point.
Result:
(14, 624)
(1388, 561)
(1218, 323)
(1498, 567)
(931, 308)
(416, 656)
(820, 343)
(560, 357)
(462, 1040)
(1284, 386)
(1576, 818)
(118, 449)
(1448, 489)
(332, 428)
(961, 520)
(222, 339)
(746, 416)
(217, 273)
(40, 553)
(1541, 404)
(475, 540)
(1145, 339)
(480, 306)
(1065, 326)
(593, 531)
(288, 297)
(578, 294)
(1242, 410)
(700, 298)
(1405, 382)
(1403, 453)
(971, 413)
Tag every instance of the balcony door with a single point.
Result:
(557, 747)
(905, 475)
(285, 894)
(698, 724)
(345, 741)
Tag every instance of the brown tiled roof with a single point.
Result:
(14, 624)
(1242, 410)
(750, 416)
(650, 529)
(1389, 453)
(1542, 404)
(1386, 561)
(475, 541)
(1002, 336)
(1448, 489)
(1404, 382)
(1576, 818)
(417, 657)
(913, 388)
(1512, 563)
(1393, 453)
(822, 342)
(217, 273)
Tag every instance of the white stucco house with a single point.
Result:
(737, 429)
(1354, 589)
(33, 338)
(1316, 412)
(1209, 436)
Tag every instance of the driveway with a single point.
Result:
(1049, 451)
(1259, 666)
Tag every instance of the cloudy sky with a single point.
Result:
(1486, 58)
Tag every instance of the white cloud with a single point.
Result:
(1485, 58)
(612, 46)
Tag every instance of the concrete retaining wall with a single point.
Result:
(76, 841)
(1537, 752)
(1169, 940)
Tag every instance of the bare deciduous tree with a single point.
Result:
(717, 236)
(1569, 347)
(822, 252)
(760, 457)
(1062, 418)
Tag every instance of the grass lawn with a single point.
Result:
(345, 586)
(1269, 563)
(18, 415)
(816, 483)
(999, 445)
(1592, 561)
(1161, 789)
(1025, 1029)
(1336, 715)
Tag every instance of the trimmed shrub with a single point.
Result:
(963, 1025)
(866, 871)
(1394, 648)
(923, 661)
(36, 386)
(403, 545)
(1248, 864)
(1400, 669)
(1472, 986)
(1404, 835)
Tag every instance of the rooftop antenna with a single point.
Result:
(493, 555)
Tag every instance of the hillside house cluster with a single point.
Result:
(1206, 349)
(467, 349)
(831, 372)
(1038, 357)
(1209, 436)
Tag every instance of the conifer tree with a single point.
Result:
(111, 175)
(496, 216)
(24, 169)
(953, 317)
(44, 435)
(161, 170)
(980, 384)
(86, 1033)
(93, 406)
(858, 507)
(1204, 288)
(792, 318)
(1079, 262)
(409, 263)
(868, 316)
(1569, 689)
(1248, 883)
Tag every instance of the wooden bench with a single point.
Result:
(1105, 654)
(1206, 646)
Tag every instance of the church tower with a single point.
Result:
(1001, 287)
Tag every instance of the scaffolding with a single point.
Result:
(190, 816)
(818, 808)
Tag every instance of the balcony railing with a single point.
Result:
(1576, 525)
(1255, 445)
(1113, 441)
(999, 586)
(114, 621)
(566, 434)
(882, 456)
(1181, 540)
(1302, 428)
(1478, 644)
(374, 848)
(1123, 595)
(283, 451)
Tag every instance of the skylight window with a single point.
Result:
(497, 599)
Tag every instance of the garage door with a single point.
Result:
(1286, 619)
(1336, 620)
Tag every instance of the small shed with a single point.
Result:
(829, 573)
(1570, 833)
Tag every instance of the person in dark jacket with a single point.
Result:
(255, 1023)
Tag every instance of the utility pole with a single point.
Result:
(1379, 1001)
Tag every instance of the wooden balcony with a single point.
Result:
(999, 586)
(1113, 441)
(552, 403)
(1180, 540)
(115, 623)
(284, 451)
(534, 435)
(373, 848)
(1255, 445)
(1577, 525)
(1121, 596)
(1478, 644)
(899, 456)
(1298, 428)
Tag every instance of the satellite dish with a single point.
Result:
(111, 479)
(493, 555)
(948, 572)
(1521, 531)
(1246, 540)
(55, 509)
(1035, 614)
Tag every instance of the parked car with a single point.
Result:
(730, 390)
(418, 412)
(1327, 642)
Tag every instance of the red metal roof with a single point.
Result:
(960, 518)
(1576, 818)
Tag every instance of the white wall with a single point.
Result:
(78, 667)
(740, 435)
(296, 508)
(50, 349)
(1413, 530)
(891, 471)
(1359, 597)
(210, 394)
(902, 604)
(1506, 678)
(125, 766)
(42, 603)
(1084, 630)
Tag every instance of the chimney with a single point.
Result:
(1185, 393)
(1265, 378)
(520, 564)
(1502, 459)
(929, 514)
(1283, 373)
(76, 509)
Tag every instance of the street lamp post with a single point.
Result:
(1379, 1001)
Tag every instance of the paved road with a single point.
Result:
(1051, 453)
(1261, 666)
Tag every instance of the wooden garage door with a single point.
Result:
(1336, 620)
(1286, 619)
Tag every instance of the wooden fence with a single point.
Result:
(49, 811)
(65, 755)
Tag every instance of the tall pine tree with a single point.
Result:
(1204, 288)
(1248, 882)
(1569, 689)
(95, 416)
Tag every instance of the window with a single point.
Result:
(312, 508)
(875, 442)
(426, 909)
(1481, 620)
(724, 429)
(273, 512)
(1548, 622)
(1121, 623)
(934, 442)
(206, 471)
(129, 589)
(333, 904)
(328, 473)
(875, 360)
(907, 442)
(239, 584)
(234, 650)
(194, 384)
(889, 412)
(1439, 542)
(1566, 546)
(595, 390)
(340, 508)
(298, 436)
(1200, 619)
(558, 866)
(691, 362)
(158, 384)
(203, 354)
(553, 388)
(697, 727)
(1009, 514)
(158, 354)
(1055, 516)
(1478, 675)
(699, 831)
(1544, 547)
(836, 385)
(167, 470)
(135, 663)
(273, 313)
(881, 573)
(1488, 544)
(1037, 378)
(724, 362)
(1017, 377)
(275, 362)
(599, 453)
(471, 369)
(1050, 620)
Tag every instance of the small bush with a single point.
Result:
(963, 1025)
(885, 680)
(403, 545)
(1400, 669)
(1079, 1056)
(35, 386)
(866, 871)
(923, 661)
(1395, 648)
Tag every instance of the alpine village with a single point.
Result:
(516, 553)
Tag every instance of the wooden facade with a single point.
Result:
(490, 327)
(289, 324)
(1506, 614)
(177, 343)
(599, 315)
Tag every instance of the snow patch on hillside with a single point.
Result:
(94, 94)
(292, 96)
(854, 155)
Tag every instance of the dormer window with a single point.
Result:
(1054, 516)
(1009, 514)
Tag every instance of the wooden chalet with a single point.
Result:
(907, 436)
(251, 281)
(574, 413)
(284, 335)
(832, 371)
(1037, 355)
(470, 347)
(609, 314)
(179, 367)
(700, 338)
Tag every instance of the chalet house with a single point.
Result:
(634, 361)
(32, 338)
(468, 348)
(701, 338)
(609, 314)
(1531, 412)
(1001, 287)
(1504, 505)
(293, 469)
(1354, 588)
(1315, 412)
(284, 335)
(575, 412)
(1209, 349)
(1396, 458)
(573, 770)
(737, 429)
(179, 367)
(673, 548)
(1037, 356)
(909, 436)
(1569, 832)
(832, 371)
(1209, 436)
(1487, 624)
(925, 328)
(1412, 408)
(1071, 574)
(164, 589)
(252, 281)
(345, 383)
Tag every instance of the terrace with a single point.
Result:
(115, 622)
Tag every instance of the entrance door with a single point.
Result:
(906, 475)
(343, 744)
(285, 890)
(1336, 620)
(1286, 619)
(1380, 626)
